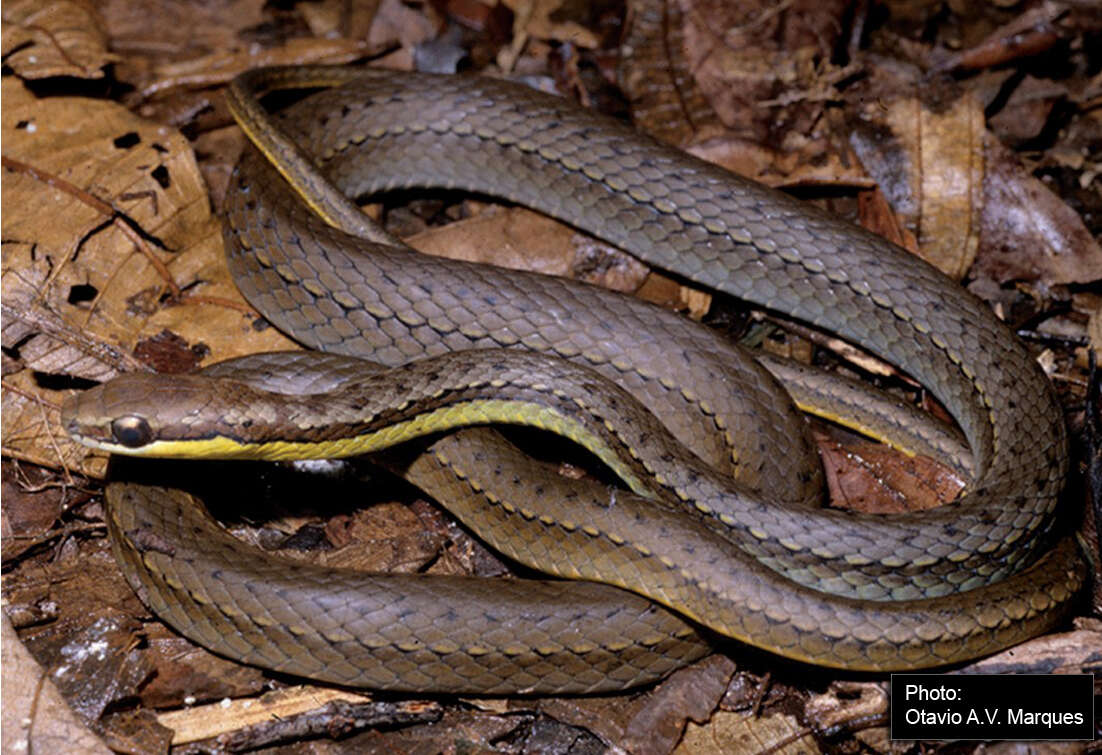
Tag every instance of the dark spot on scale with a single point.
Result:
(345, 110)
(986, 517)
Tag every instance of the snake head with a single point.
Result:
(146, 415)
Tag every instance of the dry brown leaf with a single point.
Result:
(135, 731)
(539, 22)
(220, 67)
(186, 671)
(86, 296)
(972, 204)
(35, 716)
(869, 477)
(1029, 233)
(748, 56)
(387, 537)
(56, 38)
(89, 641)
(941, 152)
(655, 76)
(533, 22)
(650, 723)
(877, 215)
(683, 698)
(1027, 112)
(728, 732)
(810, 164)
(519, 239)
(397, 21)
(27, 520)
(351, 19)
(1030, 33)
(179, 29)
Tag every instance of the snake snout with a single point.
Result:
(68, 415)
(84, 419)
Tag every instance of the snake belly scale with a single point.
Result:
(748, 558)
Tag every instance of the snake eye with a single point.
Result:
(131, 431)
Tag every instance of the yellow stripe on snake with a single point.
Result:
(719, 526)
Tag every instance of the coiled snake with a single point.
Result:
(749, 559)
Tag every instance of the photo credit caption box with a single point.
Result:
(992, 706)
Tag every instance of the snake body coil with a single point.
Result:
(829, 587)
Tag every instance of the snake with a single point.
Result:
(711, 532)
